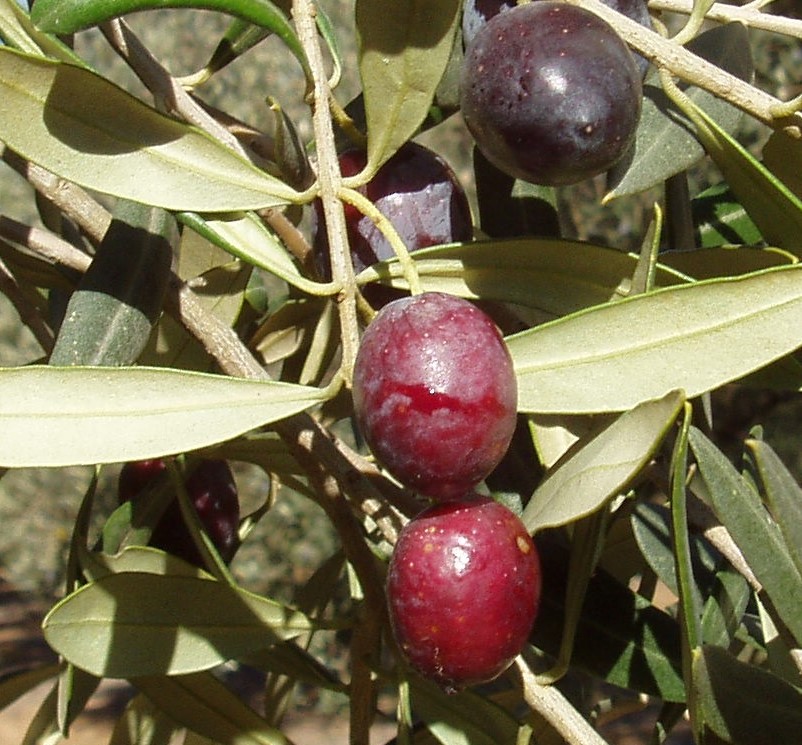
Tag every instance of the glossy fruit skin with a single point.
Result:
(463, 591)
(476, 13)
(550, 93)
(213, 492)
(435, 393)
(416, 190)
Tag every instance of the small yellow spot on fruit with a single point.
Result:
(523, 544)
(428, 548)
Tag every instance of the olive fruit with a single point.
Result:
(463, 590)
(550, 93)
(213, 492)
(435, 393)
(416, 190)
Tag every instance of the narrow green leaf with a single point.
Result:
(721, 220)
(741, 511)
(554, 276)
(205, 705)
(743, 704)
(782, 155)
(140, 559)
(246, 237)
(53, 416)
(690, 602)
(773, 207)
(290, 660)
(68, 16)
(136, 623)
(110, 316)
(89, 131)
(599, 467)
(692, 337)
(17, 31)
(404, 47)
(725, 591)
(665, 143)
(783, 496)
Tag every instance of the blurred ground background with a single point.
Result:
(37, 507)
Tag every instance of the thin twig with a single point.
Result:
(330, 182)
(29, 314)
(694, 69)
(168, 93)
(50, 247)
(555, 709)
(749, 15)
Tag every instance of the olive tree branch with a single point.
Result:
(750, 15)
(92, 218)
(168, 93)
(48, 246)
(556, 710)
(330, 181)
(694, 69)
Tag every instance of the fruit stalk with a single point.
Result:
(367, 208)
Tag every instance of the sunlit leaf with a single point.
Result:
(555, 276)
(68, 16)
(721, 220)
(53, 416)
(404, 46)
(246, 237)
(89, 131)
(136, 623)
(691, 337)
(600, 467)
(774, 208)
(725, 261)
(478, 720)
(17, 30)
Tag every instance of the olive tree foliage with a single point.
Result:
(169, 347)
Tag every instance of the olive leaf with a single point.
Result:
(404, 47)
(139, 623)
(87, 130)
(54, 416)
(693, 337)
